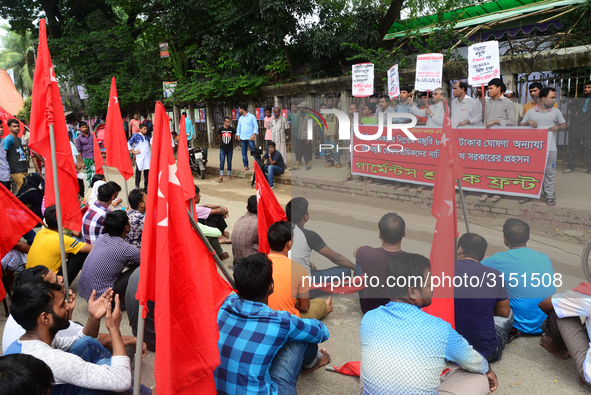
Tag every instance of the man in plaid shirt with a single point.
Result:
(93, 220)
(261, 349)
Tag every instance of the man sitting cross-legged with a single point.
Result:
(482, 313)
(292, 284)
(245, 234)
(136, 214)
(262, 351)
(93, 221)
(404, 350)
(79, 362)
(212, 216)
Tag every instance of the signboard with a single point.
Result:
(11, 74)
(82, 92)
(168, 88)
(393, 82)
(362, 79)
(262, 114)
(483, 63)
(202, 114)
(500, 161)
(233, 114)
(429, 72)
(257, 113)
(164, 50)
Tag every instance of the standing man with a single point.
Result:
(545, 115)
(15, 154)
(304, 146)
(435, 112)
(279, 130)
(188, 127)
(226, 134)
(509, 94)
(534, 91)
(383, 106)
(331, 136)
(246, 130)
(140, 145)
(579, 130)
(464, 109)
(4, 167)
(85, 147)
(294, 118)
(134, 126)
(268, 127)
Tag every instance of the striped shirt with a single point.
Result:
(105, 263)
(93, 222)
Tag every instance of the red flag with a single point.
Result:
(269, 210)
(98, 156)
(5, 116)
(187, 295)
(46, 109)
(442, 257)
(185, 175)
(115, 141)
(352, 368)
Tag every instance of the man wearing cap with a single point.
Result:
(518, 107)
(302, 146)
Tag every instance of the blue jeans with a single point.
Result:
(287, 364)
(319, 276)
(246, 145)
(223, 155)
(502, 327)
(272, 171)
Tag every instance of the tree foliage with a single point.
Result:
(19, 55)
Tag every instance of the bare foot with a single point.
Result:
(226, 234)
(323, 360)
(555, 347)
(221, 179)
(328, 306)
(224, 240)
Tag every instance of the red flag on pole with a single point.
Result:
(5, 116)
(185, 175)
(46, 109)
(115, 140)
(98, 156)
(442, 258)
(187, 295)
(269, 210)
(352, 368)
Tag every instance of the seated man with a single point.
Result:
(133, 307)
(24, 374)
(93, 220)
(136, 214)
(213, 216)
(374, 261)
(564, 334)
(46, 249)
(305, 241)
(78, 362)
(292, 284)
(116, 201)
(521, 263)
(276, 165)
(245, 235)
(262, 350)
(111, 254)
(482, 314)
(403, 349)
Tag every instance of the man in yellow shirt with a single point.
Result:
(292, 283)
(45, 249)
(534, 92)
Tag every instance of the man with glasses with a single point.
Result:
(464, 109)
(435, 112)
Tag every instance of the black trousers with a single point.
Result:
(573, 148)
(120, 286)
(303, 148)
(81, 187)
(74, 265)
(215, 221)
(138, 178)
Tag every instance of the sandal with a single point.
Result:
(551, 202)
(483, 198)
(338, 166)
(420, 189)
(567, 171)
(524, 200)
(347, 179)
(221, 179)
(495, 198)
(513, 334)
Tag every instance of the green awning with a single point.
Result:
(477, 15)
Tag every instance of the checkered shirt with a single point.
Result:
(250, 336)
(93, 222)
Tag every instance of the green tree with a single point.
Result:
(19, 55)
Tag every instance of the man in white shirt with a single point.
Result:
(435, 112)
(464, 109)
(509, 94)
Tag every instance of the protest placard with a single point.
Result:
(362, 79)
(393, 82)
(168, 88)
(483, 62)
(429, 72)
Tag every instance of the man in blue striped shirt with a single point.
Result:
(262, 350)
(246, 130)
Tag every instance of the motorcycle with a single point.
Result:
(198, 160)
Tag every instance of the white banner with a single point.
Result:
(393, 82)
(362, 79)
(168, 88)
(429, 73)
(82, 92)
(483, 63)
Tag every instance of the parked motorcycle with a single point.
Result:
(198, 160)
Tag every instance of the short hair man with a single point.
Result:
(292, 284)
(545, 115)
(435, 112)
(520, 267)
(299, 138)
(383, 106)
(4, 166)
(499, 110)
(24, 374)
(482, 314)
(280, 131)
(45, 249)
(404, 350)
(246, 131)
(305, 241)
(534, 91)
(404, 105)
(111, 254)
(332, 156)
(140, 144)
(276, 165)
(15, 155)
(188, 127)
(85, 146)
(134, 126)
(226, 133)
(93, 221)
(136, 214)
(262, 350)
(464, 109)
(579, 131)
(509, 94)
(245, 235)
(212, 215)
(374, 261)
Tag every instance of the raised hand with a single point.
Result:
(97, 308)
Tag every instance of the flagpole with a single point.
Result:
(58, 210)
(126, 192)
(105, 171)
(137, 374)
(193, 207)
(463, 205)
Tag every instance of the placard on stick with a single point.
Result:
(483, 63)
(362, 79)
(429, 72)
(393, 82)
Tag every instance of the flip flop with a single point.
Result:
(524, 200)
(495, 198)
(567, 171)
(513, 334)
(483, 198)
(551, 202)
